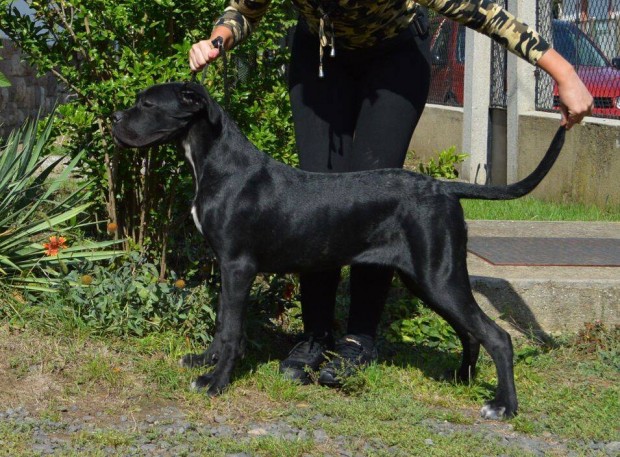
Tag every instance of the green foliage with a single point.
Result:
(29, 215)
(445, 167)
(105, 52)
(4, 82)
(130, 299)
(413, 323)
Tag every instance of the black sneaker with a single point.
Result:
(352, 352)
(306, 356)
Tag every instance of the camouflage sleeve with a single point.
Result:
(242, 17)
(494, 21)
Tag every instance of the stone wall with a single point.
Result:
(28, 94)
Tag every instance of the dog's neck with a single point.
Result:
(214, 152)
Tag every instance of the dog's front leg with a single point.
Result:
(209, 357)
(237, 278)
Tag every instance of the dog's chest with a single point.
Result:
(196, 220)
(190, 159)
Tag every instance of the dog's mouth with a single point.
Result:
(123, 142)
(120, 143)
(127, 140)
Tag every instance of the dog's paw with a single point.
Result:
(201, 382)
(208, 384)
(493, 411)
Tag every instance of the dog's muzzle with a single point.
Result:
(117, 117)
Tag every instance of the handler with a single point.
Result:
(359, 80)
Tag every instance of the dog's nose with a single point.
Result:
(116, 117)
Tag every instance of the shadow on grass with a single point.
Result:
(267, 341)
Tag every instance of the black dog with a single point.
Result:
(260, 215)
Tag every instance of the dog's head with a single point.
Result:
(160, 115)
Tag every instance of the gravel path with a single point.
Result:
(167, 431)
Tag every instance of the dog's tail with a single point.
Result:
(518, 189)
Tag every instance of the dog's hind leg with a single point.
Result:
(471, 350)
(471, 346)
(457, 306)
(451, 298)
(227, 346)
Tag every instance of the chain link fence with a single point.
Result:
(498, 70)
(587, 34)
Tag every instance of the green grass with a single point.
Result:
(531, 209)
(568, 393)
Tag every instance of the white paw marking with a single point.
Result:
(490, 413)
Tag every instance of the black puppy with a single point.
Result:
(259, 215)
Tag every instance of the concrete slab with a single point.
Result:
(544, 300)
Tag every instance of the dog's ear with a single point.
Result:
(193, 100)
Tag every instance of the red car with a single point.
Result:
(601, 77)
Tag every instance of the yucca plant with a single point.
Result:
(36, 245)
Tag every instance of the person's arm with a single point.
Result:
(494, 21)
(575, 99)
(235, 25)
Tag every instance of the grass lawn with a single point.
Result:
(569, 397)
(531, 209)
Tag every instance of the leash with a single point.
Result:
(218, 42)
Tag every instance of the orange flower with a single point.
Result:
(56, 244)
(289, 291)
(87, 280)
(179, 284)
(112, 227)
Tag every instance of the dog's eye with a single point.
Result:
(147, 104)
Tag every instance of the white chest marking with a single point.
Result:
(196, 220)
(190, 159)
(188, 155)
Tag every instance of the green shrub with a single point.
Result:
(40, 234)
(413, 323)
(106, 51)
(445, 167)
(128, 298)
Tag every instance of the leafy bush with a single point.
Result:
(414, 323)
(106, 51)
(34, 227)
(445, 167)
(128, 298)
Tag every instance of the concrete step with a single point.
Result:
(545, 299)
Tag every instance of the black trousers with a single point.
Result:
(360, 116)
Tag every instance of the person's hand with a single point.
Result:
(575, 100)
(201, 54)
